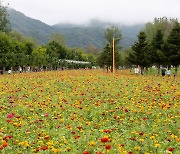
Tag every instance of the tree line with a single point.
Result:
(19, 51)
(158, 44)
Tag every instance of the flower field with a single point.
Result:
(89, 112)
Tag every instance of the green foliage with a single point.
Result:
(164, 24)
(112, 32)
(39, 55)
(172, 47)
(105, 57)
(140, 54)
(157, 48)
(4, 22)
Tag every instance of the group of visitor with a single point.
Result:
(163, 71)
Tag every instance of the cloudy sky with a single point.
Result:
(81, 11)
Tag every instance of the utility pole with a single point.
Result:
(113, 64)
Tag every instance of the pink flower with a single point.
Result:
(46, 115)
(10, 115)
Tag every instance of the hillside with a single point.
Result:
(75, 35)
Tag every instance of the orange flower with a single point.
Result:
(4, 144)
(44, 147)
(76, 137)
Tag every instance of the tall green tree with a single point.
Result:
(39, 55)
(156, 53)
(52, 55)
(140, 54)
(4, 22)
(173, 47)
(5, 49)
(105, 57)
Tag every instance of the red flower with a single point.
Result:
(144, 118)
(104, 139)
(170, 149)
(133, 139)
(107, 131)
(98, 152)
(108, 147)
(86, 152)
(8, 121)
(169, 140)
(126, 110)
(130, 152)
(141, 133)
(7, 137)
(122, 145)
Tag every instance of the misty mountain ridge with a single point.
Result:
(81, 35)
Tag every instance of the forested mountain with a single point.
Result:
(75, 35)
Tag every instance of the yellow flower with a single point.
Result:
(56, 150)
(152, 137)
(101, 130)
(141, 140)
(137, 148)
(92, 143)
(68, 148)
(133, 132)
(88, 123)
(157, 145)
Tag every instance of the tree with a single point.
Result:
(112, 32)
(92, 49)
(39, 55)
(164, 24)
(140, 53)
(156, 52)
(173, 46)
(105, 57)
(52, 54)
(5, 48)
(4, 22)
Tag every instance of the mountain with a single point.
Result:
(30, 27)
(75, 35)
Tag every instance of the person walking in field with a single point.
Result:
(169, 72)
(163, 71)
(136, 70)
